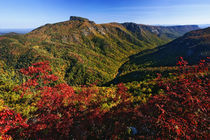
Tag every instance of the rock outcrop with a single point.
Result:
(81, 19)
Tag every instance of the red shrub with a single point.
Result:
(182, 111)
(60, 109)
(10, 123)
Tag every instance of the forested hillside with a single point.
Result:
(81, 80)
(81, 51)
(193, 47)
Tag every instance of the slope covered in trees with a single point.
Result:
(193, 46)
(81, 51)
(57, 99)
(178, 110)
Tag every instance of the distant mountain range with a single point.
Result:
(19, 31)
(204, 26)
(82, 52)
(164, 32)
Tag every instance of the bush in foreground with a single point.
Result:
(179, 112)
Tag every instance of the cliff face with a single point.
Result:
(78, 18)
(170, 32)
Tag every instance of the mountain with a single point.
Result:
(82, 51)
(204, 26)
(164, 32)
(193, 46)
(19, 31)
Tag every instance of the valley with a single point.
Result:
(81, 51)
(81, 80)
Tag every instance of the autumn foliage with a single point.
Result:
(179, 112)
(11, 123)
(182, 110)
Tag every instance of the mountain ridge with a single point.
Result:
(80, 50)
(192, 46)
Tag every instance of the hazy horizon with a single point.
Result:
(11, 28)
(34, 13)
(27, 30)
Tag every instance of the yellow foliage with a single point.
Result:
(2, 105)
(36, 47)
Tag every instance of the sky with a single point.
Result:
(35, 13)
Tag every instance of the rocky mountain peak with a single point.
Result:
(81, 19)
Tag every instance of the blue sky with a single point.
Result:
(34, 13)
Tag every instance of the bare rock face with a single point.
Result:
(78, 18)
(81, 19)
